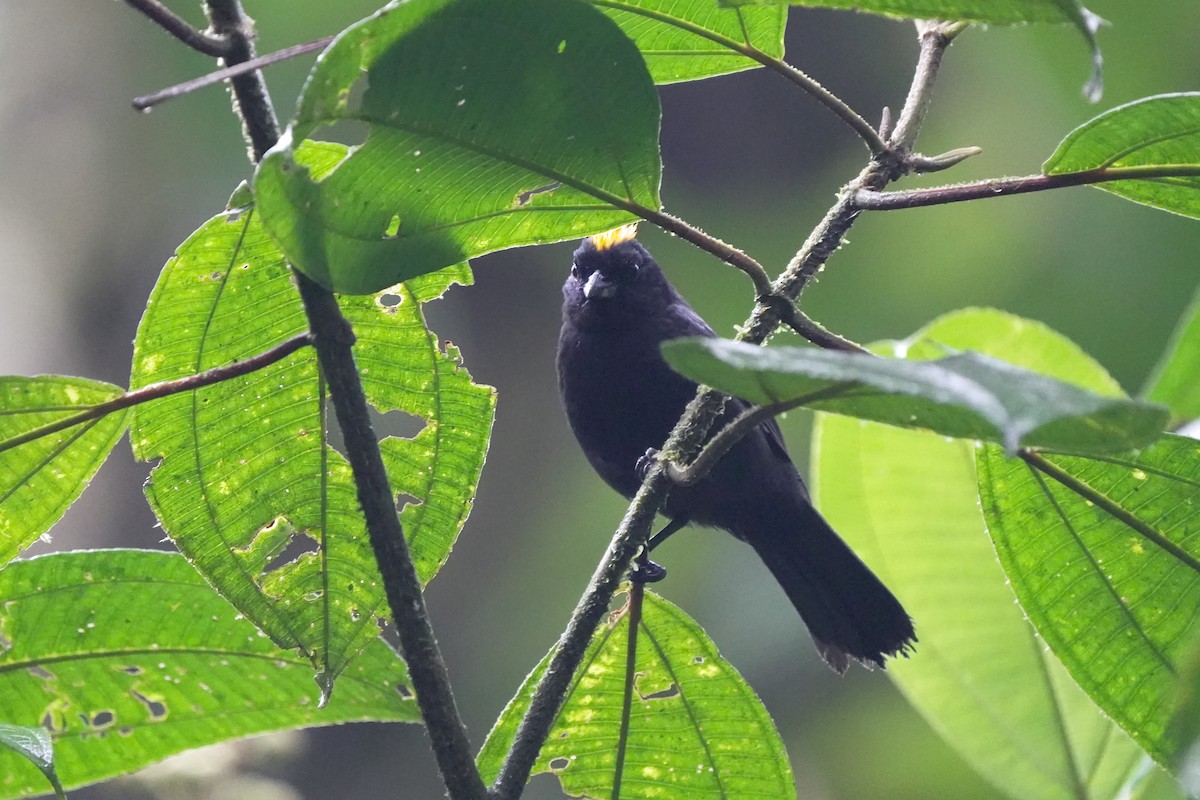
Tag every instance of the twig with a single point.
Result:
(163, 389)
(685, 441)
(807, 327)
(333, 339)
(163, 95)
(637, 594)
(739, 426)
(710, 244)
(207, 43)
(766, 294)
(868, 200)
(935, 37)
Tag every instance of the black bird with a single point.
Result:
(622, 399)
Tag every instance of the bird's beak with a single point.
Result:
(598, 286)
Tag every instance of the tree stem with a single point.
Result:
(333, 338)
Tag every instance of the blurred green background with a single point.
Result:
(94, 197)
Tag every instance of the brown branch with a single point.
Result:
(164, 389)
(706, 242)
(869, 200)
(207, 43)
(147, 101)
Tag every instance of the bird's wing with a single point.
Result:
(689, 323)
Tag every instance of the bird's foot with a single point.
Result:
(648, 459)
(646, 571)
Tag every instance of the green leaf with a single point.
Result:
(1104, 555)
(696, 728)
(34, 745)
(248, 487)
(683, 40)
(1155, 141)
(128, 656)
(907, 501)
(1185, 725)
(994, 12)
(488, 125)
(1176, 380)
(40, 479)
(967, 396)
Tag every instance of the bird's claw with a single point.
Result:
(646, 571)
(642, 468)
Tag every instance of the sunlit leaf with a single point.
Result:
(488, 125)
(684, 40)
(128, 656)
(248, 487)
(966, 395)
(41, 478)
(1155, 140)
(1104, 555)
(696, 728)
(908, 503)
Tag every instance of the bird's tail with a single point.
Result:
(848, 611)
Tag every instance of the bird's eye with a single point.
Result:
(575, 271)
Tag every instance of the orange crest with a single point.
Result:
(608, 239)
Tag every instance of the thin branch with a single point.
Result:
(147, 101)
(207, 43)
(164, 389)
(333, 339)
(637, 594)
(868, 200)
(765, 293)
(844, 112)
(935, 37)
(685, 441)
(739, 426)
(710, 244)
(807, 327)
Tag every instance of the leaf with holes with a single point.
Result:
(683, 40)
(1104, 554)
(1155, 141)
(248, 487)
(696, 728)
(967, 395)
(42, 477)
(128, 656)
(488, 125)
(908, 503)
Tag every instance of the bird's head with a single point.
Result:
(613, 270)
